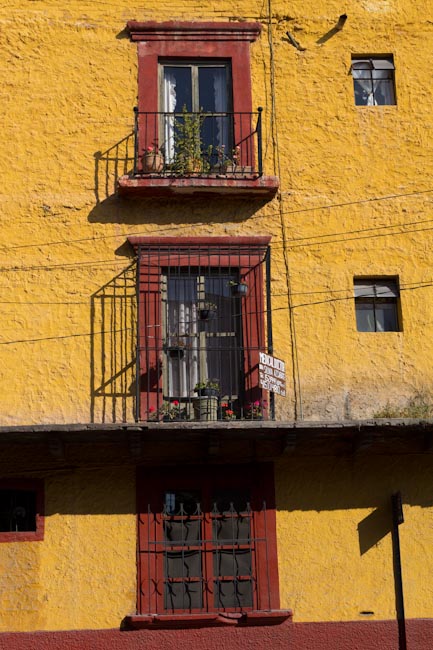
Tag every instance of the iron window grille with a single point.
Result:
(201, 326)
(207, 543)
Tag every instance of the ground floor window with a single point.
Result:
(207, 540)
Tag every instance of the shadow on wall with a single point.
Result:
(118, 160)
(113, 349)
(111, 164)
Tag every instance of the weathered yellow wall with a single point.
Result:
(67, 91)
(83, 574)
(333, 535)
(355, 200)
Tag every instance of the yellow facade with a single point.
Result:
(355, 200)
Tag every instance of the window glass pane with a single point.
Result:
(182, 531)
(231, 513)
(183, 595)
(365, 317)
(363, 92)
(236, 562)
(214, 98)
(384, 92)
(386, 317)
(182, 502)
(181, 340)
(177, 88)
(233, 593)
(183, 564)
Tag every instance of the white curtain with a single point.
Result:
(183, 370)
(221, 102)
(169, 120)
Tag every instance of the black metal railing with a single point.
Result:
(198, 144)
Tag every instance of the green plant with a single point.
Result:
(418, 407)
(207, 383)
(188, 143)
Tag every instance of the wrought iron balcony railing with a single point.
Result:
(200, 144)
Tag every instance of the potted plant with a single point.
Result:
(207, 310)
(231, 165)
(256, 410)
(207, 388)
(188, 143)
(227, 412)
(206, 403)
(175, 348)
(152, 160)
(239, 288)
(172, 411)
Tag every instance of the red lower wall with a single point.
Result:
(372, 635)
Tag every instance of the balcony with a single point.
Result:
(201, 326)
(198, 154)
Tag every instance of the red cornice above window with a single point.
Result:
(193, 31)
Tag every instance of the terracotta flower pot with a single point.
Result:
(152, 162)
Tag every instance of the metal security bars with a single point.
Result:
(200, 557)
(201, 326)
(205, 144)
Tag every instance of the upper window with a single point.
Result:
(196, 102)
(195, 118)
(207, 541)
(373, 80)
(21, 510)
(376, 304)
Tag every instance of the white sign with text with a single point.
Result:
(272, 374)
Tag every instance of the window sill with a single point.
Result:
(253, 186)
(217, 619)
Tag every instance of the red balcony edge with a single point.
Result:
(261, 187)
(216, 619)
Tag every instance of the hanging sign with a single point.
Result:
(272, 374)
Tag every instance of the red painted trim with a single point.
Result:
(190, 242)
(37, 486)
(175, 30)
(353, 635)
(187, 621)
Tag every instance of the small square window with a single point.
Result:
(376, 304)
(21, 510)
(373, 80)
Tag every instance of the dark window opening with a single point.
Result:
(17, 510)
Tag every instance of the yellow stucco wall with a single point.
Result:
(82, 575)
(354, 200)
(333, 536)
(334, 529)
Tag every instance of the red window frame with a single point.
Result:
(33, 485)
(198, 41)
(151, 485)
(155, 253)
